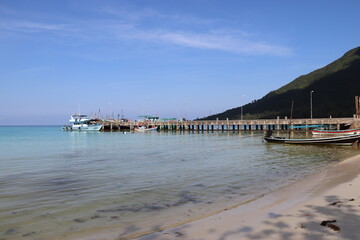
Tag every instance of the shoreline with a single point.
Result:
(293, 212)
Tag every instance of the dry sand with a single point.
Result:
(323, 206)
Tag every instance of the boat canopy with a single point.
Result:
(168, 119)
(307, 126)
(149, 117)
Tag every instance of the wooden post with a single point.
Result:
(357, 106)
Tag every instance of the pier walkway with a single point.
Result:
(230, 125)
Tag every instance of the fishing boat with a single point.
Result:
(80, 122)
(145, 129)
(336, 132)
(335, 140)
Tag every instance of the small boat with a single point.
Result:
(336, 132)
(145, 129)
(335, 140)
(80, 122)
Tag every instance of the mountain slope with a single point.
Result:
(334, 86)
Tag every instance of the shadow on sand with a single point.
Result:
(337, 219)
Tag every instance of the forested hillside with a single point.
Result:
(334, 86)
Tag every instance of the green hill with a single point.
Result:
(334, 86)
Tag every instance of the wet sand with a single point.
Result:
(323, 206)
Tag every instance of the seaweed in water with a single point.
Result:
(28, 234)
(10, 231)
(143, 208)
(79, 220)
(178, 234)
(185, 197)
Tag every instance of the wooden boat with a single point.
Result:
(145, 129)
(336, 132)
(335, 140)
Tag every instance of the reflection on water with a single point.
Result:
(64, 185)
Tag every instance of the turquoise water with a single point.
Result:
(77, 185)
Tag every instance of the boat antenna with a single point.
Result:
(292, 109)
(291, 114)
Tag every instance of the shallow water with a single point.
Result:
(69, 185)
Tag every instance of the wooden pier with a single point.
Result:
(230, 125)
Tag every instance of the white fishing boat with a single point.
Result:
(80, 122)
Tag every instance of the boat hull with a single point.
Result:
(146, 129)
(83, 127)
(339, 140)
(81, 122)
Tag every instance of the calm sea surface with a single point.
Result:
(102, 185)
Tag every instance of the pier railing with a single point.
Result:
(230, 125)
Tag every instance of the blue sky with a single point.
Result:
(187, 58)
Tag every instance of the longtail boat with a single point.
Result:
(336, 132)
(335, 140)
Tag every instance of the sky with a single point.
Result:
(178, 59)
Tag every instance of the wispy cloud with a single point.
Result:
(32, 26)
(229, 41)
(127, 14)
(204, 37)
(123, 24)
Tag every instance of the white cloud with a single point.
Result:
(235, 42)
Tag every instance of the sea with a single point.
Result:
(57, 184)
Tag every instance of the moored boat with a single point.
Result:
(80, 122)
(145, 129)
(336, 132)
(335, 140)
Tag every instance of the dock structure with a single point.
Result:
(231, 125)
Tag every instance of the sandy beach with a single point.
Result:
(323, 206)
